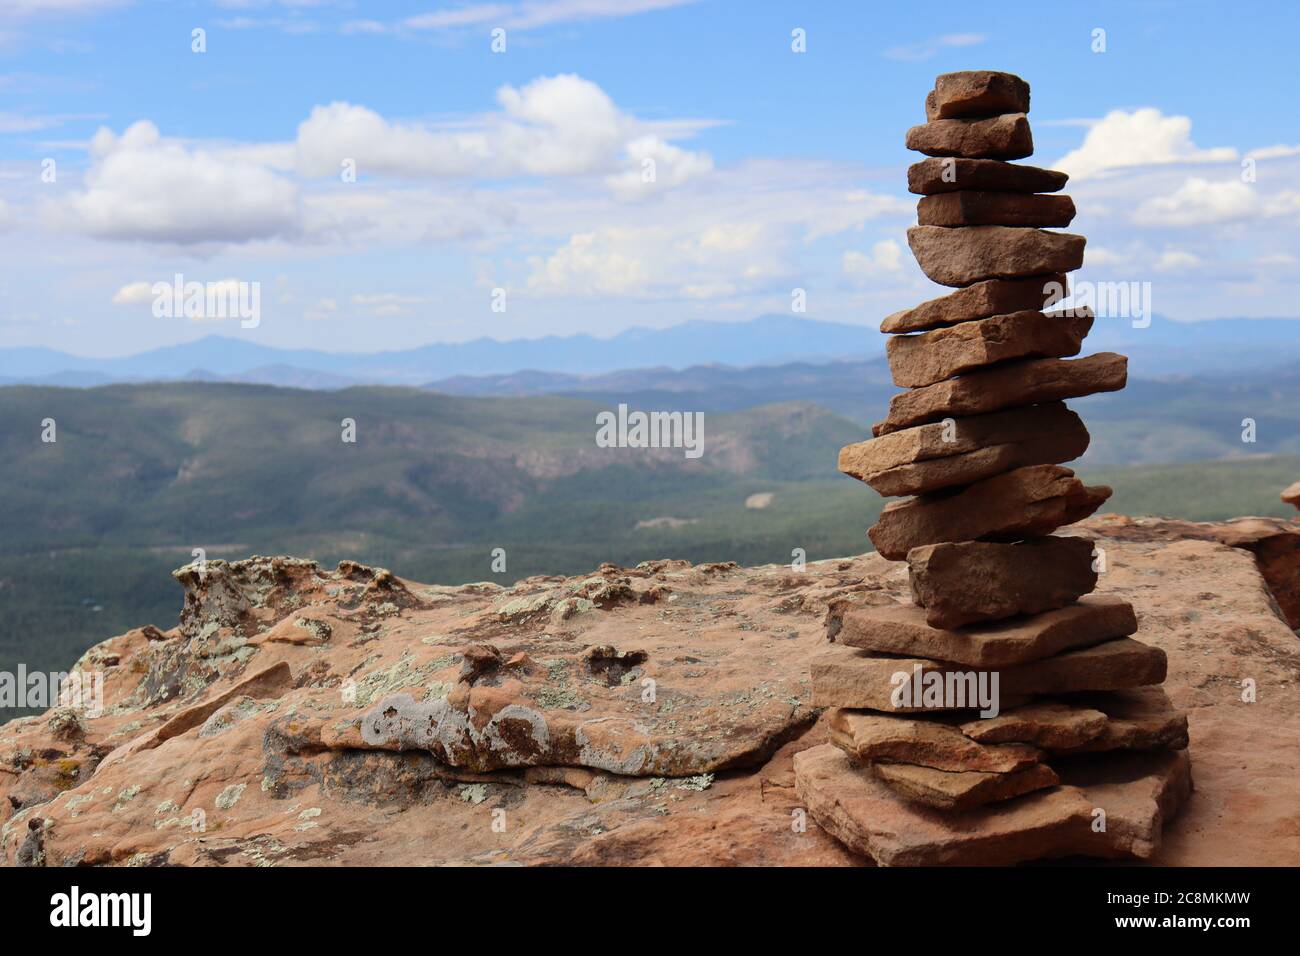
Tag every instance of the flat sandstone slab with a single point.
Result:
(1142, 718)
(968, 93)
(958, 257)
(949, 174)
(940, 455)
(962, 790)
(1049, 724)
(998, 137)
(1140, 796)
(979, 301)
(987, 208)
(1030, 501)
(1007, 386)
(929, 357)
(960, 583)
(902, 629)
(864, 680)
(872, 737)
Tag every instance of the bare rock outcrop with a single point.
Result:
(278, 774)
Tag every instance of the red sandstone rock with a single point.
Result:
(1007, 386)
(958, 257)
(1140, 796)
(1291, 494)
(980, 208)
(950, 173)
(962, 790)
(923, 742)
(971, 581)
(1030, 501)
(1203, 601)
(979, 301)
(979, 93)
(940, 455)
(1141, 718)
(1050, 724)
(929, 357)
(865, 680)
(901, 629)
(999, 137)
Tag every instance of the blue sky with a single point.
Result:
(522, 170)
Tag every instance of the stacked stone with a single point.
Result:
(914, 774)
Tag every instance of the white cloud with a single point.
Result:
(474, 15)
(885, 258)
(605, 263)
(1142, 137)
(745, 236)
(660, 262)
(915, 52)
(1200, 202)
(1099, 256)
(134, 293)
(656, 166)
(554, 126)
(531, 14)
(21, 123)
(1274, 152)
(1178, 260)
(144, 187)
(18, 9)
(663, 261)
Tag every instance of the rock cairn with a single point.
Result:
(1006, 714)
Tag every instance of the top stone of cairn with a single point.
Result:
(975, 93)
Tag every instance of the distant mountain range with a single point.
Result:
(765, 340)
(561, 363)
(142, 474)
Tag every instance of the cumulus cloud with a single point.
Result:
(1142, 137)
(723, 239)
(134, 293)
(590, 263)
(719, 260)
(142, 186)
(1199, 202)
(657, 165)
(554, 126)
(885, 258)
